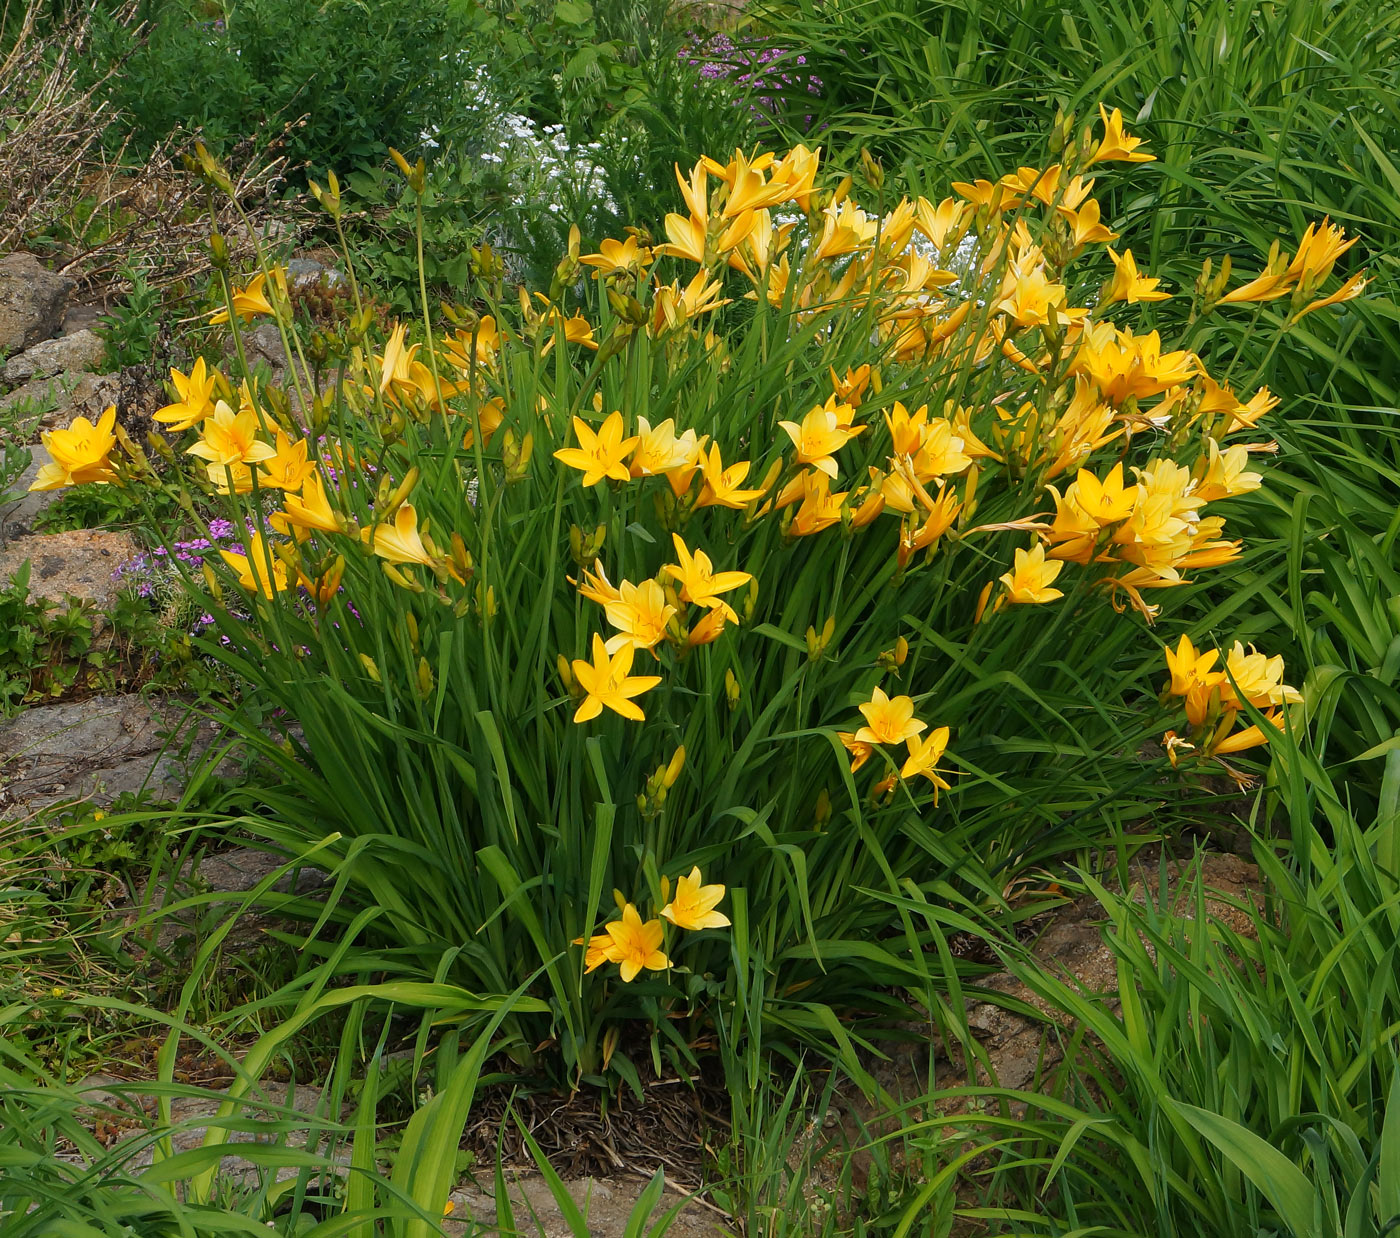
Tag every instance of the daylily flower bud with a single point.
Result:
(732, 689)
(751, 601)
(674, 767)
(411, 624)
(486, 602)
(873, 171)
(371, 667)
(425, 679)
(566, 674)
(416, 176)
(822, 811)
(218, 251)
(211, 582)
(398, 577)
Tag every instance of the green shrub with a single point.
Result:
(362, 75)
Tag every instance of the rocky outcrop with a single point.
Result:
(32, 302)
(82, 350)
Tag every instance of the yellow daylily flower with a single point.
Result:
(1190, 668)
(796, 174)
(923, 759)
(1105, 502)
(252, 568)
(1128, 284)
(311, 509)
(288, 468)
(640, 614)
(888, 720)
(820, 434)
(1086, 224)
(693, 906)
(599, 455)
(1226, 474)
(686, 237)
(706, 630)
(722, 487)
(660, 449)
(1028, 583)
(614, 257)
(79, 453)
(636, 945)
(196, 400)
(401, 542)
(250, 301)
(845, 229)
(599, 950)
(230, 438)
(700, 584)
(1116, 144)
(860, 751)
(607, 682)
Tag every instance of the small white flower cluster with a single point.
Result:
(541, 161)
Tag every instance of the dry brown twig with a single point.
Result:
(99, 211)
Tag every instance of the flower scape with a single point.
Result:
(849, 466)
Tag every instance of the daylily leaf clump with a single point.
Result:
(894, 495)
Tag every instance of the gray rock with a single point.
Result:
(32, 301)
(304, 271)
(262, 343)
(82, 350)
(82, 318)
(605, 1202)
(56, 401)
(92, 751)
(78, 563)
(18, 515)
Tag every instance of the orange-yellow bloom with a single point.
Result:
(311, 509)
(401, 542)
(607, 682)
(700, 584)
(1030, 580)
(251, 301)
(1116, 144)
(196, 398)
(888, 721)
(1105, 502)
(288, 468)
(617, 256)
(820, 435)
(599, 455)
(723, 487)
(923, 759)
(79, 453)
(252, 568)
(640, 614)
(1128, 284)
(231, 438)
(693, 906)
(636, 945)
(659, 449)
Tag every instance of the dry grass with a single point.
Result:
(97, 210)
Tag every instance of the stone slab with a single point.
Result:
(82, 350)
(78, 563)
(32, 301)
(93, 750)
